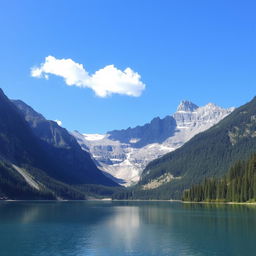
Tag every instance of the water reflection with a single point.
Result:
(126, 228)
(47, 228)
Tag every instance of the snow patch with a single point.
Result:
(126, 162)
(134, 140)
(94, 136)
(58, 122)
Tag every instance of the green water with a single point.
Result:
(126, 228)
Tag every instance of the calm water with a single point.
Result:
(126, 228)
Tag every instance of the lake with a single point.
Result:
(126, 228)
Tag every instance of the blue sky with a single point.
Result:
(203, 51)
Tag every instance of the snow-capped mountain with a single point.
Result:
(125, 153)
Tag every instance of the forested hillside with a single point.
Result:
(238, 185)
(45, 165)
(208, 154)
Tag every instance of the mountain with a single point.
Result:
(125, 153)
(187, 106)
(39, 159)
(76, 165)
(208, 154)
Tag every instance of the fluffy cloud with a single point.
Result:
(103, 82)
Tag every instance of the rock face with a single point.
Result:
(41, 160)
(209, 154)
(125, 153)
(186, 106)
(72, 164)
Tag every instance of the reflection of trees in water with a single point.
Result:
(230, 228)
(18, 212)
(192, 229)
(126, 228)
(47, 211)
(49, 227)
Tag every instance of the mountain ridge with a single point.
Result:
(208, 154)
(32, 167)
(60, 144)
(124, 153)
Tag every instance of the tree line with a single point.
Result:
(238, 185)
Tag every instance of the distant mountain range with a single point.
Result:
(208, 154)
(125, 153)
(39, 159)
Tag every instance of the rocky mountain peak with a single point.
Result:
(186, 106)
(125, 153)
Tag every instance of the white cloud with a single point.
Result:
(72, 72)
(58, 122)
(103, 82)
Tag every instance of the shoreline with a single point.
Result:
(130, 200)
(228, 203)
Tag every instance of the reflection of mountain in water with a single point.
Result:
(125, 228)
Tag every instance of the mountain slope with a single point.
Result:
(125, 153)
(31, 168)
(208, 154)
(238, 185)
(17, 142)
(19, 147)
(14, 186)
(73, 165)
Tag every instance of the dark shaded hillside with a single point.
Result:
(13, 186)
(18, 144)
(208, 154)
(53, 160)
(72, 164)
